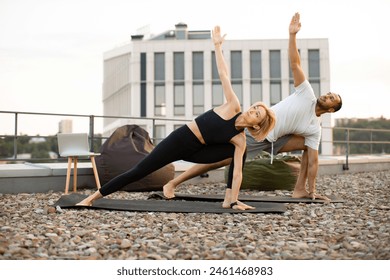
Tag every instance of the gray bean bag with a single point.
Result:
(124, 149)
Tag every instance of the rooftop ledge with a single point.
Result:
(43, 177)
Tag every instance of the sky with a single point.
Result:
(51, 51)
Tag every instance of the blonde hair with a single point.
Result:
(266, 124)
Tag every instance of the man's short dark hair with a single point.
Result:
(338, 106)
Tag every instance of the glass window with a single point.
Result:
(237, 88)
(178, 60)
(159, 100)
(143, 66)
(160, 133)
(159, 88)
(314, 63)
(316, 88)
(197, 66)
(198, 99)
(236, 70)
(275, 65)
(159, 67)
(179, 100)
(236, 65)
(276, 93)
(217, 93)
(178, 88)
(256, 92)
(255, 58)
(143, 85)
(217, 98)
(214, 69)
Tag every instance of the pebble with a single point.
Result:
(358, 228)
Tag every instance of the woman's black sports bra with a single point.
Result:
(216, 130)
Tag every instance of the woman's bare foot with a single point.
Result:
(238, 206)
(90, 199)
(226, 201)
(169, 190)
(243, 206)
(85, 202)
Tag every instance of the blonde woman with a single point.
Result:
(216, 137)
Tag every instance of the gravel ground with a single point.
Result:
(359, 228)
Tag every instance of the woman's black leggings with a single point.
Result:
(181, 144)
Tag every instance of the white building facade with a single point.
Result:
(173, 77)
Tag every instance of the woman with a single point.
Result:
(217, 136)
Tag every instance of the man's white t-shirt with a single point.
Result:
(296, 115)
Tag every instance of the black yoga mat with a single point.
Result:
(177, 206)
(248, 198)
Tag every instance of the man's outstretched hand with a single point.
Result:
(295, 24)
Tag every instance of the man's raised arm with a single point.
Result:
(295, 60)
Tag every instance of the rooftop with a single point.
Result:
(43, 177)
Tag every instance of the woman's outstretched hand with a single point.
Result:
(217, 38)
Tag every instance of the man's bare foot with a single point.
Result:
(300, 194)
(169, 190)
(312, 195)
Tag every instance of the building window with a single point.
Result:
(217, 92)
(314, 63)
(314, 71)
(236, 73)
(316, 87)
(179, 99)
(198, 98)
(159, 100)
(275, 77)
(275, 92)
(197, 66)
(178, 76)
(256, 93)
(143, 85)
(198, 83)
(159, 84)
(291, 76)
(217, 98)
(159, 135)
(275, 65)
(159, 67)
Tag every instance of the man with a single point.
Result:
(297, 127)
(297, 122)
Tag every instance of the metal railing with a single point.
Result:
(346, 143)
(91, 129)
(369, 133)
